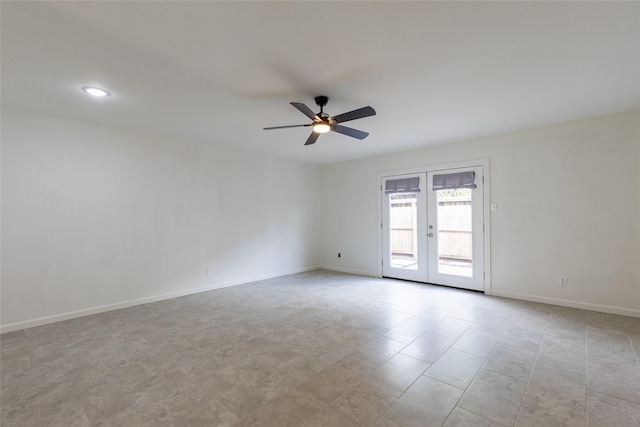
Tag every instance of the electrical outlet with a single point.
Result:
(206, 271)
(562, 281)
(339, 255)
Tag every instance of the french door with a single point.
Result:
(432, 224)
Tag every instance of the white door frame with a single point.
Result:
(486, 208)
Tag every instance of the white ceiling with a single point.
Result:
(218, 72)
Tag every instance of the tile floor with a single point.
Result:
(326, 349)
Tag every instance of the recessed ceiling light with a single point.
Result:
(95, 91)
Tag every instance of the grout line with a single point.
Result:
(586, 372)
(532, 371)
(635, 351)
(486, 358)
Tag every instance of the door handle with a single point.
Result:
(430, 234)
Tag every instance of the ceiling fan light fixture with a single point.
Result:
(95, 91)
(321, 128)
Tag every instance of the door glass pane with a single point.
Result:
(403, 238)
(455, 226)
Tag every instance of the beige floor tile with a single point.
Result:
(389, 318)
(566, 349)
(378, 350)
(532, 319)
(568, 318)
(603, 324)
(428, 347)
(456, 368)
(605, 411)
(397, 374)
(620, 381)
(523, 337)
(632, 325)
(468, 313)
(462, 418)
(558, 384)
(536, 412)
(384, 422)
(635, 343)
(494, 396)
(491, 323)
(570, 336)
(292, 409)
(426, 403)
(410, 329)
(477, 342)
(110, 405)
(18, 416)
(330, 383)
(451, 327)
(613, 347)
(323, 348)
(240, 400)
(511, 361)
(330, 418)
(364, 404)
(15, 364)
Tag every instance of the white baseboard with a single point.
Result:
(526, 297)
(568, 303)
(139, 301)
(146, 300)
(347, 270)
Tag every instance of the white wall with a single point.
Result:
(95, 217)
(568, 204)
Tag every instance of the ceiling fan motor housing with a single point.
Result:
(321, 101)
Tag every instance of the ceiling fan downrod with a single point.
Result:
(321, 101)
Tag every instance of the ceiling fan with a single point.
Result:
(323, 123)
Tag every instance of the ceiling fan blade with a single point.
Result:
(284, 127)
(354, 133)
(305, 110)
(355, 114)
(312, 138)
